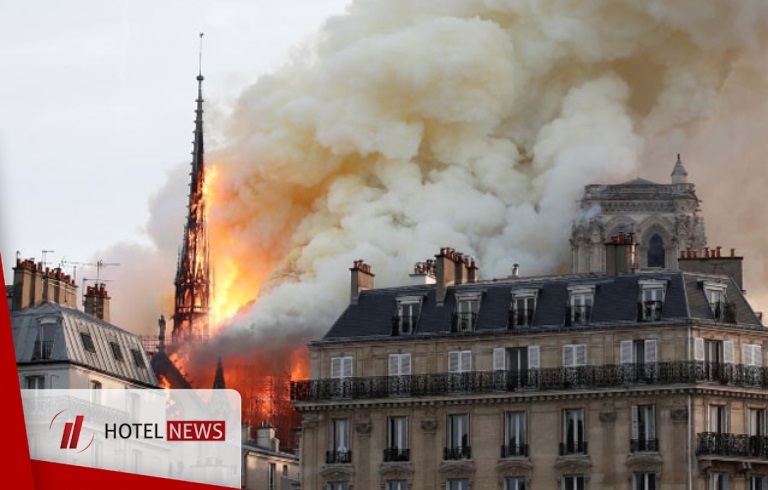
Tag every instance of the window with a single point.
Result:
(117, 353)
(272, 476)
(399, 364)
(44, 342)
(573, 432)
(758, 482)
(35, 382)
(722, 310)
(337, 486)
(339, 452)
(574, 358)
(96, 392)
(718, 419)
(575, 482)
(644, 428)
(656, 254)
(457, 484)
(752, 355)
(718, 481)
(397, 439)
(285, 470)
(756, 422)
(87, 342)
(397, 485)
(138, 359)
(515, 483)
(579, 305)
(516, 435)
(651, 300)
(341, 367)
(408, 311)
(523, 308)
(638, 359)
(458, 437)
(644, 481)
(135, 461)
(459, 361)
(516, 367)
(465, 316)
(713, 351)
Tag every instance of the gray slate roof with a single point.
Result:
(67, 344)
(615, 303)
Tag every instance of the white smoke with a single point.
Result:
(412, 125)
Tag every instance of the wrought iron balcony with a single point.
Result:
(516, 450)
(403, 325)
(549, 379)
(43, 349)
(737, 445)
(455, 453)
(397, 454)
(649, 311)
(577, 315)
(724, 312)
(643, 445)
(338, 457)
(463, 322)
(520, 318)
(573, 447)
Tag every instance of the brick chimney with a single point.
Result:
(362, 279)
(620, 254)
(473, 272)
(445, 272)
(27, 284)
(423, 273)
(713, 263)
(97, 301)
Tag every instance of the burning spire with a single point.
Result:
(193, 277)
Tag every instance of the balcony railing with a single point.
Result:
(724, 312)
(577, 315)
(43, 349)
(516, 450)
(573, 447)
(649, 311)
(643, 445)
(463, 322)
(519, 318)
(403, 325)
(455, 453)
(549, 379)
(397, 454)
(338, 457)
(737, 445)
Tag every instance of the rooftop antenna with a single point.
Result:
(100, 264)
(45, 252)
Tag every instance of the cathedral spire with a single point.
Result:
(679, 175)
(193, 275)
(218, 379)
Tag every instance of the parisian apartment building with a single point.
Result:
(643, 369)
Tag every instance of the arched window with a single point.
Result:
(656, 252)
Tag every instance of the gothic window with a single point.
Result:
(656, 252)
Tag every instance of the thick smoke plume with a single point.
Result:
(410, 125)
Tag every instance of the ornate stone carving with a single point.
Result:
(514, 466)
(679, 415)
(363, 427)
(396, 470)
(573, 464)
(457, 469)
(608, 418)
(645, 462)
(337, 472)
(429, 425)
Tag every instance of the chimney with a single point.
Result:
(620, 254)
(515, 270)
(27, 284)
(445, 271)
(362, 279)
(265, 437)
(423, 273)
(714, 263)
(472, 271)
(460, 268)
(48, 286)
(97, 301)
(245, 433)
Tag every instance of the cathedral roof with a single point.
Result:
(639, 181)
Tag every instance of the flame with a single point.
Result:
(163, 383)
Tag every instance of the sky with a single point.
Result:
(97, 105)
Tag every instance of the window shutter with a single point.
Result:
(746, 354)
(405, 364)
(650, 351)
(698, 349)
(635, 422)
(394, 365)
(453, 362)
(625, 352)
(499, 354)
(728, 351)
(651, 422)
(534, 359)
(466, 361)
(336, 367)
(346, 367)
(568, 355)
(757, 355)
(581, 355)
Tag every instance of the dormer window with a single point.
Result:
(722, 310)
(522, 309)
(408, 311)
(651, 300)
(465, 316)
(579, 310)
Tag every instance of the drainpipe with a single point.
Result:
(690, 420)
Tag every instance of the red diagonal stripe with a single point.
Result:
(65, 436)
(76, 432)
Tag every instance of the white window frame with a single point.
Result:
(516, 425)
(340, 435)
(758, 482)
(515, 483)
(574, 483)
(529, 297)
(399, 364)
(752, 355)
(452, 430)
(501, 361)
(408, 307)
(397, 432)
(468, 303)
(642, 481)
(628, 351)
(577, 415)
(459, 361)
(719, 481)
(457, 484)
(718, 418)
(341, 367)
(647, 413)
(572, 357)
(34, 382)
(397, 485)
(756, 421)
(581, 296)
(652, 290)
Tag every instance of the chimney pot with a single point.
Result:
(733, 252)
(718, 250)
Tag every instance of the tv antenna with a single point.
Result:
(45, 252)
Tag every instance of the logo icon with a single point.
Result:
(71, 435)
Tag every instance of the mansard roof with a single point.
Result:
(615, 304)
(67, 344)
